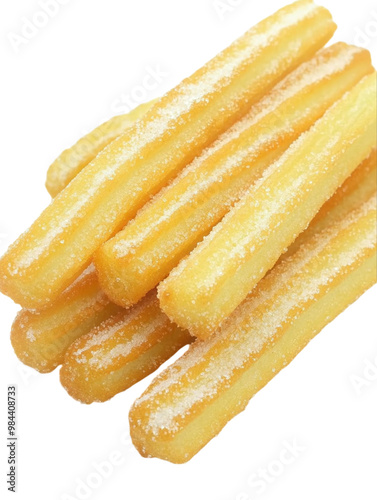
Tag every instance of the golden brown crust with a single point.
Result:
(207, 286)
(170, 226)
(106, 194)
(40, 338)
(120, 352)
(189, 403)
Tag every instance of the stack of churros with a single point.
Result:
(236, 215)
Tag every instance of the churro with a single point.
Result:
(207, 286)
(357, 188)
(169, 227)
(191, 401)
(41, 338)
(107, 193)
(97, 366)
(120, 352)
(74, 159)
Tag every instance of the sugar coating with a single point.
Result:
(326, 63)
(280, 201)
(85, 301)
(358, 187)
(32, 333)
(165, 118)
(104, 332)
(103, 358)
(132, 329)
(74, 159)
(256, 322)
(240, 249)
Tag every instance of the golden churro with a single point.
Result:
(191, 401)
(169, 227)
(207, 286)
(120, 180)
(105, 369)
(74, 159)
(120, 352)
(357, 188)
(41, 338)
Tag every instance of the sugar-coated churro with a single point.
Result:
(41, 338)
(356, 189)
(73, 160)
(108, 192)
(101, 373)
(191, 401)
(205, 288)
(169, 227)
(120, 352)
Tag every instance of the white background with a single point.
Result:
(72, 75)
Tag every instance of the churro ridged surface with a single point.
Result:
(106, 194)
(358, 187)
(41, 338)
(218, 228)
(71, 161)
(189, 403)
(98, 365)
(120, 352)
(169, 227)
(207, 286)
